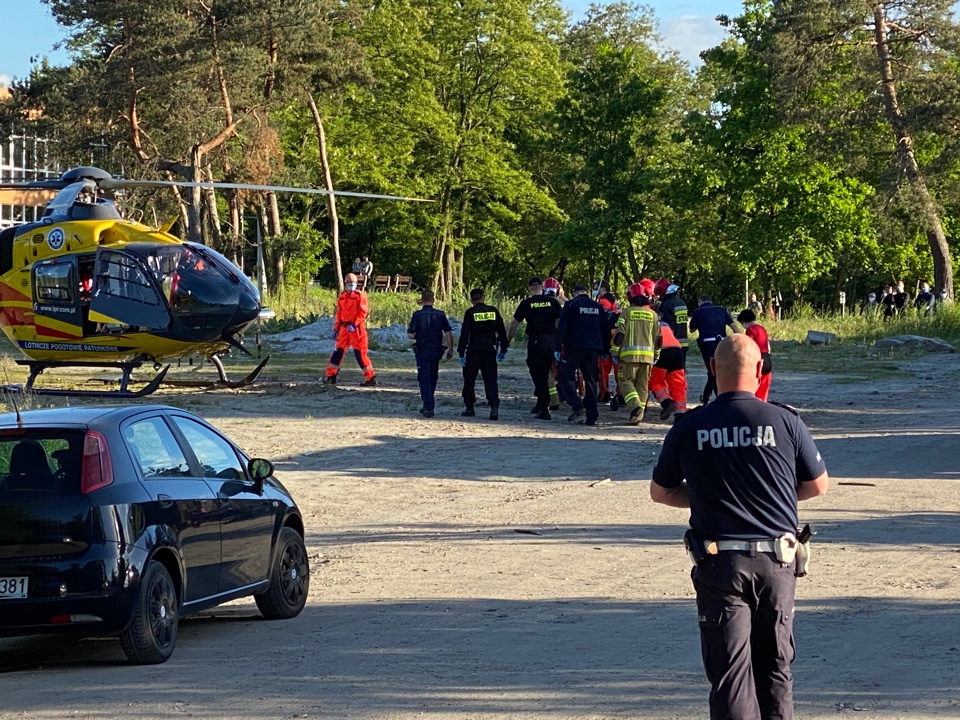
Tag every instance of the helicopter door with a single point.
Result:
(125, 295)
(56, 298)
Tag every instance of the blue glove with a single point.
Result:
(501, 356)
(604, 357)
(351, 327)
(336, 331)
(556, 356)
(616, 361)
(463, 361)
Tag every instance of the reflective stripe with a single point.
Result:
(632, 396)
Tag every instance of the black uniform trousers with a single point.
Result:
(586, 362)
(540, 350)
(745, 606)
(708, 346)
(428, 373)
(484, 362)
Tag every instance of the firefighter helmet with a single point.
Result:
(660, 289)
(648, 285)
(551, 286)
(635, 290)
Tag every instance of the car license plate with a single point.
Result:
(13, 587)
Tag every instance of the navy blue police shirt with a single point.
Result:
(710, 321)
(428, 326)
(541, 313)
(583, 325)
(742, 459)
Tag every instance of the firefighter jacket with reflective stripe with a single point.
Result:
(351, 309)
(638, 336)
(674, 311)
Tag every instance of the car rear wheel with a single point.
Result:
(289, 580)
(152, 633)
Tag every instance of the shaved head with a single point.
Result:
(737, 364)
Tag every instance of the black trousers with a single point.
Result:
(485, 363)
(540, 363)
(745, 608)
(708, 347)
(428, 372)
(586, 362)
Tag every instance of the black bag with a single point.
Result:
(767, 367)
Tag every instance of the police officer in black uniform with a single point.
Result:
(711, 322)
(541, 313)
(582, 334)
(482, 344)
(741, 465)
(428, 329)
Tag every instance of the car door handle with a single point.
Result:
(166, 502)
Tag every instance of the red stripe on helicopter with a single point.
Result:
(8, 294)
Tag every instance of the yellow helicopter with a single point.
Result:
(85, 287)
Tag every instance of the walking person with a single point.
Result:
(668, 378)
(482, 344)
(541, 313)
(711, 322)
(673, 311)
(741, 466)
(350, 331)
(636, 347)
(756, 331)
(429, 329)
(580, 339)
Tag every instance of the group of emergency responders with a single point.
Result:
(573, 347)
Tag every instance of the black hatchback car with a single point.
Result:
(123, 520)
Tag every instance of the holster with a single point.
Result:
(803, 550)
(695, 547)
(785, 548)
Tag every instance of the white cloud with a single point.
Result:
(691, 34)
(4, 81)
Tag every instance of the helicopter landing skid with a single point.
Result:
(222, 380)
(37, 368)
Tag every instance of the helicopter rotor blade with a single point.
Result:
(58, 184)
(118, 184)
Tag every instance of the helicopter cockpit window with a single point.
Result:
(121, 276)
(55, 284)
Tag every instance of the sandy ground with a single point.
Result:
(487, 570)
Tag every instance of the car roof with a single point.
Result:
(76, 416)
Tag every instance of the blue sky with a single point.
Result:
(687, 26)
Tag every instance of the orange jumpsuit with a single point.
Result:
(351, 313)
(606, 367)
(668, 379)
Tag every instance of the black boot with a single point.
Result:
(330, 380)
(468, 412)
(494, 412)
(667, 410)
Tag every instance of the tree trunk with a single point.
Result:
(213, 214)
(236, 228)
(632, 259)
(937, 239)
(194, 230)
(331, 198)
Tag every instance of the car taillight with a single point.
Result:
(97, 469)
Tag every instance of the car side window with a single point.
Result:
(217, 457)
(155, 449)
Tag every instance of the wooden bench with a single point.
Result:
(381, 283)
(361, 282)
(403, 283)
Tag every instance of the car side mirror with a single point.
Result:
(259, 470)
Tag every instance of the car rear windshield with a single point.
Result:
(40, 460)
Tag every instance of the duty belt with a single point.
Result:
(744, 545)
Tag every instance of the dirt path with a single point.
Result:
(485, 570)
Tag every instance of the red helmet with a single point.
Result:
(636, 290)
(551, 284)
(648, 286)
(660, 289)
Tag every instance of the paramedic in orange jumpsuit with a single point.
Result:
(668, 381)
(748, 318)
(349, 326)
